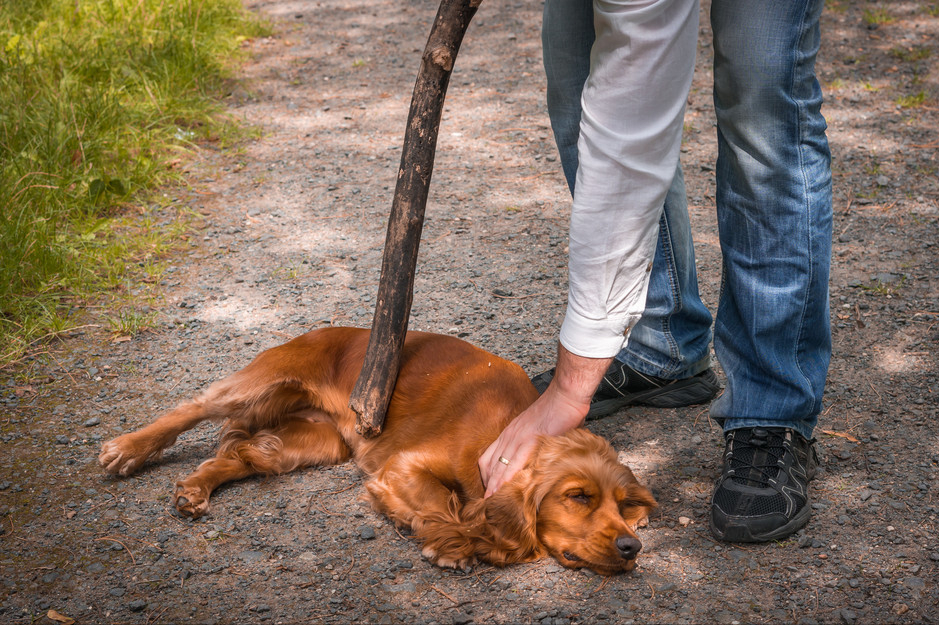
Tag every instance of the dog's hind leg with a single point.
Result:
(298, 442)
(127, 453)
(245, 396)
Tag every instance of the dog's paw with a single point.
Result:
(448, 561)
(191, 501)
(121, 456)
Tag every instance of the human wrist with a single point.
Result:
(576, 379)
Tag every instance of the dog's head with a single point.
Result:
(578, 504)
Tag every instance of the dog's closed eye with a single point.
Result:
(580, 497)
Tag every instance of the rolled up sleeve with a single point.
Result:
(630, 133)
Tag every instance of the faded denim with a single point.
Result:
(772, 333)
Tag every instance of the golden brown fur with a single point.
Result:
(289, 409)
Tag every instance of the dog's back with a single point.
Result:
(450, 402)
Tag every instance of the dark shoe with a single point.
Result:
(763, 491)
(624, 386)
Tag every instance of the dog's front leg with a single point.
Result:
(413, 497)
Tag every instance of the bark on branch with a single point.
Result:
(373, 389)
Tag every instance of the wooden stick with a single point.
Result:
(372, 392)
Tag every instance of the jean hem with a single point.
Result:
(802, 427)
(667, 372)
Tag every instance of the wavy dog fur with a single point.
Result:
(289, 409)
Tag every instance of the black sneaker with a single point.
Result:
(624, 386)
(763, 492)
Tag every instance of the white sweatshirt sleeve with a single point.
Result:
(633, 111)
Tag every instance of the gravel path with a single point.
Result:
(293, 229)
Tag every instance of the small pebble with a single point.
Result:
(137, 605)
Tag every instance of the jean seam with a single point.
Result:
(802, 121)
(672, 364)
(670, 271)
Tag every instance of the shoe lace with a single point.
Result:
(754, 459)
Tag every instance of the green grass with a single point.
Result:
(97, 99)
(878, 16)
(912, 101)
(909, 55)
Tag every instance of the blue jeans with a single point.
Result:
(772, 334)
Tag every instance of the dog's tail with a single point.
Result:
(260, 451)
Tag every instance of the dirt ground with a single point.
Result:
(293, 229)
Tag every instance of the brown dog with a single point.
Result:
(289, 409)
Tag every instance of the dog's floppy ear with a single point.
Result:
(511, 516)
(639, 496)
(638, 504)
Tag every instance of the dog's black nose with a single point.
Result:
(628, 547)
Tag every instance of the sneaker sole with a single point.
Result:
(687, 392)
(741, 533)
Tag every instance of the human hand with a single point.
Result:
(548, 415)
(562, 407)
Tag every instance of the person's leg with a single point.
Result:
(567, 37)
(772, 334)
(672, 340)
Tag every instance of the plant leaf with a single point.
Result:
(841, 435)
(59, 618)
(96, 188)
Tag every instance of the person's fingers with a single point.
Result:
(485, 469)
(552, 413)
(508, 453)
(497, 477)
(508, 462)
(499, 474)
(490, 467)
(502, 447)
